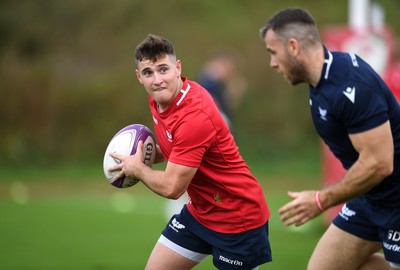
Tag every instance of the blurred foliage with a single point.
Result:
(67, 81)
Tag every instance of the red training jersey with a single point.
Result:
(224, 195)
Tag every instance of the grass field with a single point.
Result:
(73, 219)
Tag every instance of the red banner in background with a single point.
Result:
(375, 47)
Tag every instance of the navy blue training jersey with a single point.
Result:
(351, 98)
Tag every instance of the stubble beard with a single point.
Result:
(297, 72)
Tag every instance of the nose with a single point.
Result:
(273, 62)
(157, 78)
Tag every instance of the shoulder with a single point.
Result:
(347, 71)
(348, 66)
(350, 83)
(197, 98)
(343, 66)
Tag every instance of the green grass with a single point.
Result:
(80, 232)
(73, 220)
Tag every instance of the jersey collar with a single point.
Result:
(328, 62)
(326, 68)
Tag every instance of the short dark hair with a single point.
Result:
(280, 20)
(152, 48)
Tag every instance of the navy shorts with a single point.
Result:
(245, 250)
(374, 223)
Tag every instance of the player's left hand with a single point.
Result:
(300, 210)
(128, 165)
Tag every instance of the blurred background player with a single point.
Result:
(221, 77)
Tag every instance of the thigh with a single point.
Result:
(164, 258)
(340, 250)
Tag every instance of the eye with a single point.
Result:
(271, 52)
(163, 69)
(147, 72)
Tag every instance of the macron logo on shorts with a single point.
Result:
(230, 261)
(176, 225)
(393, 242)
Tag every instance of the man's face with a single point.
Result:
(282, 60)
(161, 79)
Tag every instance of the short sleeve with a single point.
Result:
(360, 107)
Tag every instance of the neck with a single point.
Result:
(316, 64)
(162, 107)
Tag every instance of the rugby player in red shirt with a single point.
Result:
(227, 214)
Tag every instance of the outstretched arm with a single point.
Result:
(375, 162)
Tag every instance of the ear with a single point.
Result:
(293, 47)
(179, 67)
(138, 76)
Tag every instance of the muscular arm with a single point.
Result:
(375, 162)
(171, 183)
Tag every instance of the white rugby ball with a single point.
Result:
(125, 142)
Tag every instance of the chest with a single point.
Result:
(165, 132)
(326, 120)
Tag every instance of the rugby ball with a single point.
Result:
(125, 142)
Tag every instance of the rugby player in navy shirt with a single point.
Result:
(358, 117)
